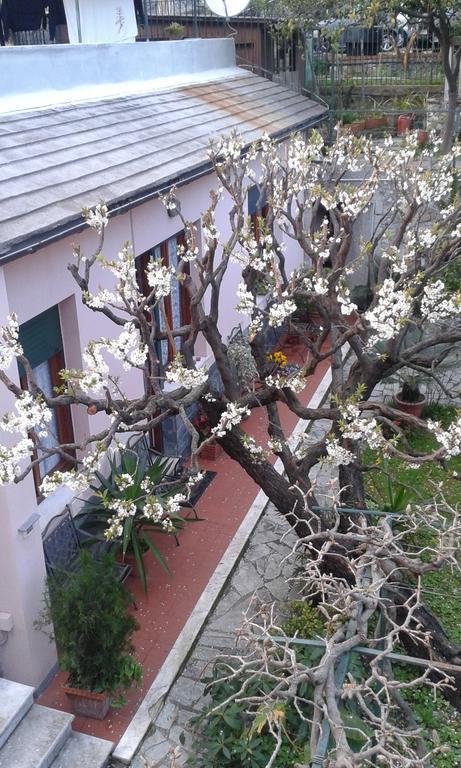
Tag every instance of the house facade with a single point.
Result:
(80, 124)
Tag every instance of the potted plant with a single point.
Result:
(93, 632)
(410, 398)
(374, 121)
(175, 31)
(128, 506)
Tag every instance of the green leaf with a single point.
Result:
(156, 553)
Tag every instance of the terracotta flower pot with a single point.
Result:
(404, 123)
(414, 409)
(375, 122)
(422, 136)
(211, 451)
(88, 703)
(356, 127)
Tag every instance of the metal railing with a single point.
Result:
(359, 58)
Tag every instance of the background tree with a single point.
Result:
(442, 18)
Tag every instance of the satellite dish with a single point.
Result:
(227, 8)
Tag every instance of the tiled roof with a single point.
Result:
(56, 160)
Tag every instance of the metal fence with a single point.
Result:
(322, 59)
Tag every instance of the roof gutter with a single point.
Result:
(77, 224)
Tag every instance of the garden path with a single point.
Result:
(261, 572)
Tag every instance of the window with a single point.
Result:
(177, 304)
(41, 341)
(257, 209)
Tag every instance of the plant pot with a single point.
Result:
(211, 451)
(375, 122)
(356, 127)
(87, 703)
(414, 409)
(422, 136)
(404, 123)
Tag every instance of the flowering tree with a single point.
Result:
(315, 195)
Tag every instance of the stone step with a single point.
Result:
(37, 739)
(15, 700)
(82, 751)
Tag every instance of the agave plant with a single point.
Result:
(131, 503)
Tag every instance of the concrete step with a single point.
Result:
(15, 700)
(37, 740)
(82, 751)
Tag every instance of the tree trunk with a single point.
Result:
(450, 125)
(276, 487)
(441, 649)
(352, 491)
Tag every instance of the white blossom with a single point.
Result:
(96, 217)
(390, 313)
(231, 417)
(337, 455)
(159, 278)
(246, 303)
(9, 342)
(279, 311)
(177, 373)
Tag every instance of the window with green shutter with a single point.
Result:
(41, 341)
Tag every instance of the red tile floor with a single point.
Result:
(169, 601)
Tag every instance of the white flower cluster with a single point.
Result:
(159, 278)
(274, 445)
(30, 413)
(257, 451)
(353, 427)
(9, 342)
(177, 373)
(10, 459)
(230, 147)
(231, 417)
(390, 313)
(318, 285)
(295, 381)
(449, 439)
(96, 217)
(96, 375)
(128, 347)
(100, 299)
(345, 301)
(124, 270)
(279, 311)
(76, 481)
(337, 455)
(187, 252)
(437, 304)
(246, 303)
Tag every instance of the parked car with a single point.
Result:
(353, 39)
(356, 40)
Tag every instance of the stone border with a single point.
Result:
(171, 667)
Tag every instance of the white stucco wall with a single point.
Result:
(29, 286)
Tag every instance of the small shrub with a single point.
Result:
(92, 628)
(305, 620)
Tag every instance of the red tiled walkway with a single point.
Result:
(169, 601)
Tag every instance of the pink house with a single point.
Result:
(79, 124)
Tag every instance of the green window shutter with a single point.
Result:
(41, 337)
